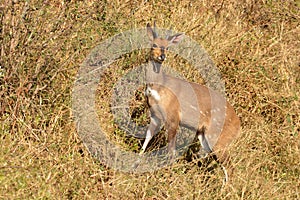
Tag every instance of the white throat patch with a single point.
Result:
(153, 93)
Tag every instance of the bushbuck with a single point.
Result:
(176, 102)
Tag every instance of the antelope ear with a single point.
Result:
(150, 32)
(174, 39)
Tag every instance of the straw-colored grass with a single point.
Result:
(254, 44)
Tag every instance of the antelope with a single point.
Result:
(176, 102)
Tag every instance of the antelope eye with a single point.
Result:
(154, 46)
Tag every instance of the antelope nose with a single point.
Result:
(162, 57)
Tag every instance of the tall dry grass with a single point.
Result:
(254, 44)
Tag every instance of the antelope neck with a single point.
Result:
(156, 66)
(154, 73)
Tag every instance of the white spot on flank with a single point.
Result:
(193, 107)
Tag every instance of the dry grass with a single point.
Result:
(255, 45)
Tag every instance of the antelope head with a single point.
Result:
(159, 45)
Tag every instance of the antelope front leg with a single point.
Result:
(151, 131)
(172, 130)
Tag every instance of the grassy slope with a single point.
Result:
(254, 44)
